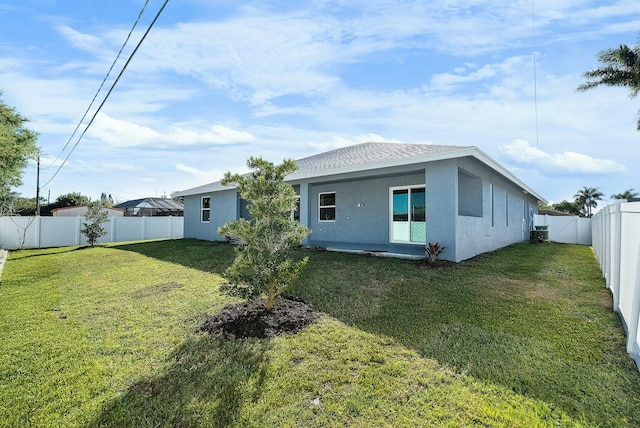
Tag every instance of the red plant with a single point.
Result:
(434, 250)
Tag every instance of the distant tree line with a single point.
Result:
(14, 204)
(586, 200)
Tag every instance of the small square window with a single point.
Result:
(327, 206)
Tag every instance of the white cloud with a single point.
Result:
(207, 176)
(443, 82)
(567, 162)
(86, 42)
(120, 133)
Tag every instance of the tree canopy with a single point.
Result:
(263, 263)
(17, 146)
(621, 67)
(587, 198)
(72, 199)
(627, 194)
(567, 207)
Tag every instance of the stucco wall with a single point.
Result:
(224, 208)
(362, 209)
(441, 178)
(367, 223)
(499, 226)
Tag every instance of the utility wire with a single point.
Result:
(535, 79)
(101, 85)
(110, 90)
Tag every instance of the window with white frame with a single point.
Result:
(205, 208)
(407, 205)
(327, 206)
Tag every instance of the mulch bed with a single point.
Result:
(251, 319)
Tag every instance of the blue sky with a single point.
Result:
(218, 81)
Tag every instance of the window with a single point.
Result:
(506, 208)
(492, 205)
(408, 214)
(205, 208)
(469, 194)
(327, 206)
(295, 213)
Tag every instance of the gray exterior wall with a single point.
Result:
(225, 207)
(506, 215)
(470, 209)
(367, 224)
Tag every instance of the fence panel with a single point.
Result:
(616, 232)
(566, 229)
(128, 229)
(42, 232)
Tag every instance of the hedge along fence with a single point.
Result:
(616, 242)
(44, 232)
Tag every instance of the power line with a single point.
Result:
(101, 84)
(535, 79)
(144, 36)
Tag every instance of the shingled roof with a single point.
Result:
(368, 153)
(370, 156)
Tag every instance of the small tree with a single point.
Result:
(93, 227)
(263, 262)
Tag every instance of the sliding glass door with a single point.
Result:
(408, 214)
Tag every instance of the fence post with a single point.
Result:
(632, 333)
(616, 240)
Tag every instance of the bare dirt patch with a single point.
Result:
(251, 319)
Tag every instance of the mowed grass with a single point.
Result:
(523, 336)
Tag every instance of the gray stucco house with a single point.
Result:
(387, 197)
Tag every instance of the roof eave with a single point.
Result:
(471, 151)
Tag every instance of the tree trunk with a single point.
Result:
(271, 297)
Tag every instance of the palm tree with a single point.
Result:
(627, 194)
(587, 198)
(621, 67)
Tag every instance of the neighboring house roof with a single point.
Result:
(84, 208)
(370, 156)
(159, 204)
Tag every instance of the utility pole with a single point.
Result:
(38, 188)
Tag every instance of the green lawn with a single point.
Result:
(524, 336)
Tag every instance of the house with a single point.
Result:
(81, 211)
(394, 198)
(152, 207)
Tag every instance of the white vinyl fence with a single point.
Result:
(566, 229)
(43, 232)
(616, 242)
